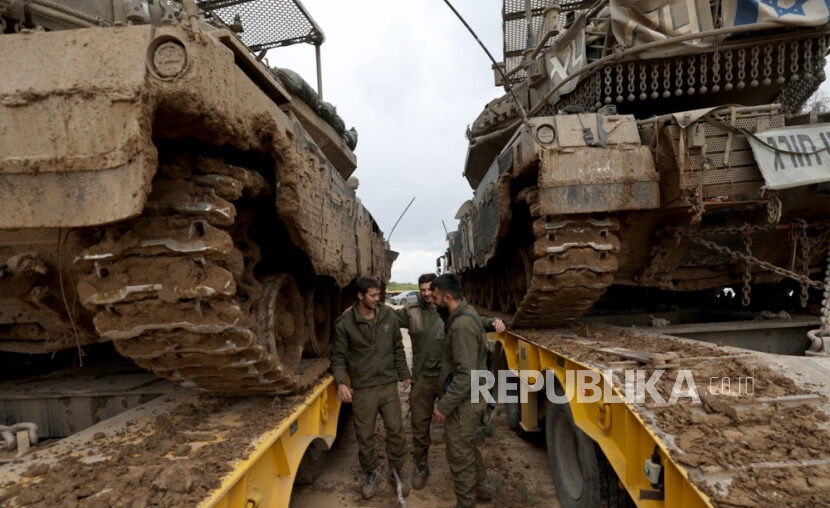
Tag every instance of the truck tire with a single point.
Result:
(312, 464)
(512, 410)
(580, 472)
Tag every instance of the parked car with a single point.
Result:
(404, 297)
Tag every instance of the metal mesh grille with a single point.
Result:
(514, 27)
(267, 23)
(736, 176)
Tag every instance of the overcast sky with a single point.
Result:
(410, 78)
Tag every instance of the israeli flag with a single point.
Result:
(786, 12)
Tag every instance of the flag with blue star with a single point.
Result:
(786, 12)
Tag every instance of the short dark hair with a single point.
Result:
(364, 284)
(449, 283)
(425, 278)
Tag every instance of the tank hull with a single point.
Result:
(130, 149)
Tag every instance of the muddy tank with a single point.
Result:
(163, 189)
(648, 157)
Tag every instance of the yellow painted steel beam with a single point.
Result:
(621, 433)
(265, 478)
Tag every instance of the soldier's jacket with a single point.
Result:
(425, 327)
(370, 351)
(466, 350)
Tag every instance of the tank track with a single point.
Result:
(174, 288)
(573, 263)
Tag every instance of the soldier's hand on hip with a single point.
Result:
(406, 383)
(344, 393)
(439, 416)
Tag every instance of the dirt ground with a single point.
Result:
(517, 466)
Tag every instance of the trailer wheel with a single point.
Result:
(312, 464)
(512, 410)
(582, 475)
(572, 459)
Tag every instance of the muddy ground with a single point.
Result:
(517, 466)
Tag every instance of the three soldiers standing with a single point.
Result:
(367, 344)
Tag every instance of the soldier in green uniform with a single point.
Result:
(426, 330)
(466, 350)
(367, 344)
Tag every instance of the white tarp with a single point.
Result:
(811, 163)
(787, 12)
(637, 22)
(567, 56)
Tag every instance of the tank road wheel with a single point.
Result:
(282, 327)
(476, 291)
(505, 295)
(174, 289)
(521, 272)
(489, 291)
(320, 303)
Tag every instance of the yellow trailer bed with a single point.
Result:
(183, 449)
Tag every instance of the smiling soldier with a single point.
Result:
(367, 344)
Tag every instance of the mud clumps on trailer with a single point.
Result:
(756, 437)
(172, 460)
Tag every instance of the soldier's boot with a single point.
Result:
(370, 484)
(485, 490)
(404, 482)
(419, 479)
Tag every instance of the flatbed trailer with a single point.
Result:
(765, 444)
(183, 449)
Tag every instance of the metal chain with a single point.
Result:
(608, 81)
(678, 78)
(753, 66)
(741, 68)
(704, 60)
(819, 337)
(808, 58)
(825, 302)
(619, 73)
(746, 292)
(780, 70)
(783, 272)
(692, 72)
(794, 63)
(631, 82)
(767, 65)
(728, 77)
(716, 72)
(666, 78)
(643, 81)
(655, 81)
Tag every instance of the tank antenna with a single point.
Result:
(495, 64)
(389, 238)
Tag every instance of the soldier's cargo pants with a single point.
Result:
(366, 402)
(421, 404)
(461, 437)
